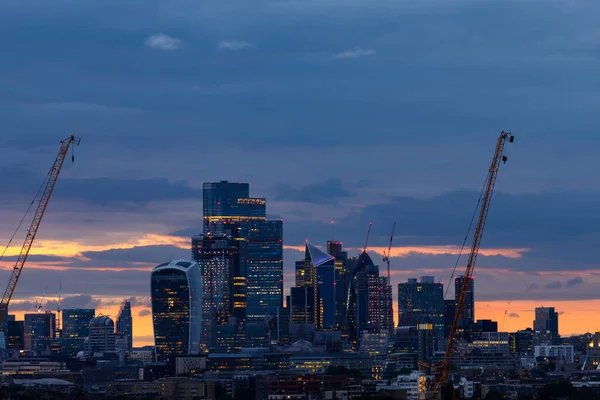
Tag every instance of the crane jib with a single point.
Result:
(444, 369)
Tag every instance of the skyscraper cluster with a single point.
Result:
(233, 285)
(334, 292)
(229, 295)
(235, 280)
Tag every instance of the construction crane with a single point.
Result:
(39, 304)
(388, 256)
(35, 223)
(444, 370)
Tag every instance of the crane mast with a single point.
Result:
(387, 256)
(35, 223)
(499, 157)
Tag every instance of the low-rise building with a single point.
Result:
(563, 353)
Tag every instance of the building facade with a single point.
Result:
(125, 325)
(258, 282)
(564, 353)
(102, 338)
(176, 292)
(219, 259)
(546, 320)
(75, 328)
(492, 343)
(264, 270)
(468, 312)
(423, 298)
(40, 331)
(15, 335)
(228, 208)
(342, 271)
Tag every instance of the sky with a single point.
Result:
(355, 111)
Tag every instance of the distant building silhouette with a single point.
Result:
(546, 320)
(468, 312)
(124, 325)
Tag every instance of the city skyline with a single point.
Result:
(394, 121)
(482, 313)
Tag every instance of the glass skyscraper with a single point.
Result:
(75, 328)
(368, 298)
(258, 277)
(125, 324)
(15, 335)
(40, 331)
(341, 282)
(422, 299)
(468, 312)
(320, 267)
(264, 270)
(219, 259)
(228, 208)
(176, 291)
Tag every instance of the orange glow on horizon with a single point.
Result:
(404, 251)
(66, 248)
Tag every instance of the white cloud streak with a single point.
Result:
(355, 52)
(234, 45)
(162, 42)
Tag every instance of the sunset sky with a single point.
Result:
(345, 110)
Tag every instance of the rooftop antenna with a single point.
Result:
(332, 230)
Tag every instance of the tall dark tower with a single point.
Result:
(468, 312)
(125, 324)
(546, 320)
(342, 272)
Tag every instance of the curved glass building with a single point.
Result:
(176, 291)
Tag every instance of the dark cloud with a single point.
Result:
(144, 313)
(189, 232)
(533, 286)
(553, 285)
(39, 258)
(146, 254)
(139, 301)
(79, 301)
(98, 283)
(320, 193)
(516, 220)
(574, 282)
(514, 315)
(101, 191)
(287, 111)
